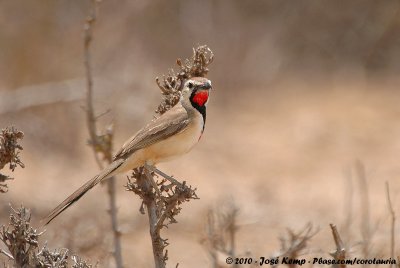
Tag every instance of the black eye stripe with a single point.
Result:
(196, 85)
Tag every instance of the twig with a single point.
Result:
(22, 242)
(232, 228)
(114, 222)
(7, 254)
(220, 231)
(293, 245)
(162, 205)
(348, 203)
(147, 171)
(100, 144)
(163, 199)
(365, 217)
(340, 253)
(171, 85)
(9, 153)
(150, 202)
(392, 226)
(88, 37)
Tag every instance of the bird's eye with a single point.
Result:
(190, 85)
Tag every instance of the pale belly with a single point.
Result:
(167, 149)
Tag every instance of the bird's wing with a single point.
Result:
(170, 123)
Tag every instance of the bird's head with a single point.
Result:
(196, 91)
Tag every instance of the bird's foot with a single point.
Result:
(159, 172)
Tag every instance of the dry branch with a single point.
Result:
(162, 199)
(348, 203)
(340, 253)
(294, 243)
(22, 242)
(171, 85)
(101, 143)
(80, 263)
(392, 225)
(220, 232)
(163, 204)
(20, 238)
(9, 153)
(365, 214)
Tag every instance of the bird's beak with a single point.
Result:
(206, 85)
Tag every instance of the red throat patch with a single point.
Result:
(200, 98)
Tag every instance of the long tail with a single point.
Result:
(105, 174)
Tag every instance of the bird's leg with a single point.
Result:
(148, 168)
(159, 172)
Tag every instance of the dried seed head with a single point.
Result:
(171, 85)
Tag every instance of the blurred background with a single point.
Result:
(304, 90)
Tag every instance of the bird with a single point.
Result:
(166, 137)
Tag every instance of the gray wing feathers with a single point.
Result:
(106, 173)
(172, 122)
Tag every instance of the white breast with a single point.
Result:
(178, 144)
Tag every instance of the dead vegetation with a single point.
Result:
(9, 153)
(162, 197)
(23, 250)
(219, 237)
(340, 253)
(219, 234)
(162, 200)
(171, 84)
(101, 143)
(295, 243)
